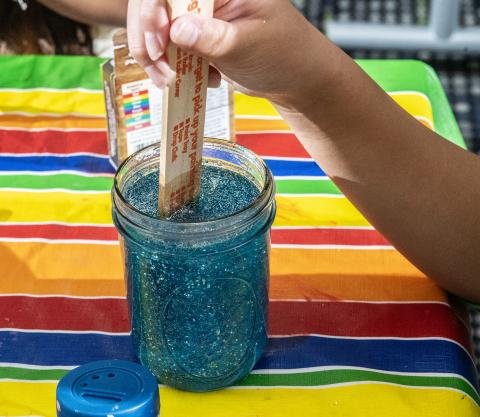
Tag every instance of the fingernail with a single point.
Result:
(155, 75)
(184, 34)
(154, 48)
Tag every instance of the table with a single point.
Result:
(356, 330)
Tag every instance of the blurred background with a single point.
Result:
(459, 70)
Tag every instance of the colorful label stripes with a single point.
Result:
(136, 106)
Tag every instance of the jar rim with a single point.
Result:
(265, 194)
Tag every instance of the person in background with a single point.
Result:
(105, 12)
(30, 28)
(64, 27)
(414, 186)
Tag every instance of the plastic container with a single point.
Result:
(198, 292)
(109, 388)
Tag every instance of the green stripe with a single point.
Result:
(80, 183)
(30, 71)
(307, 379)
(340, 376)
(411, 75)
(32, 374)
(306, 187)
(65, 181)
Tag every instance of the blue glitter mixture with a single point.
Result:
(198, 305)
(222, 193)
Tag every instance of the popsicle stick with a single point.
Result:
(183, 119)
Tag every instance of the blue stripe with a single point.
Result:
(90, 164)
(96, 165)
(281, 168)
(51, 349)
(406, 355)
(432, 356)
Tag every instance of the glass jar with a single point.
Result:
(198, 292)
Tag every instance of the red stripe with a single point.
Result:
(286, 317)
(52, 141)
(279, 236)
(52, 313)
(55, 231)
(367, 320)
(312, 236)
(273, 144)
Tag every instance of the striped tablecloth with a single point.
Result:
(355, 329)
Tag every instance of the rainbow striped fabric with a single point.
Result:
(355, 329)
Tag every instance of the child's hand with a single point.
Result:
(260, 45)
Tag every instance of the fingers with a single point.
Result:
(149, 31)
(148, 48)
(160, 72)
(155, 24)
(136, 39)
(211, 38)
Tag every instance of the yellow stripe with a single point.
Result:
(366, 400)
(317, 211)
(95, 208)
(247, 105)
(61, 102)
(92, 104)
(356, 401)
(50, 122)
(416, 104)
(55, 206)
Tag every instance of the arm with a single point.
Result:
(409, 183)
(110, 12)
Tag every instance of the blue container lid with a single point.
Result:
(108, 388)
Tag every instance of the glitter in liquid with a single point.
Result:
(199, 308)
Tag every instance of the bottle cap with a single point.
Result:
(108, 388)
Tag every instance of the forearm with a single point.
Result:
(411, 184)
(110, 12)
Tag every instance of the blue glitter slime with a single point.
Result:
(222, 193)
(198, 282)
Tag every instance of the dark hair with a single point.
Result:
(38, 30)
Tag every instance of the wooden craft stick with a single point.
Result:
(183, 119)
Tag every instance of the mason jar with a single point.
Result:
(198, 291)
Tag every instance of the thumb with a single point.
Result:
(208, 37)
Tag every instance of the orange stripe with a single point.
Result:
(61, 122)
(92, 261)
(354, 287)
(79, 269)
(365, 275)
(75, 269)
(286, 261)
(253, 125)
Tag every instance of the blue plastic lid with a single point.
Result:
(108, 388)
